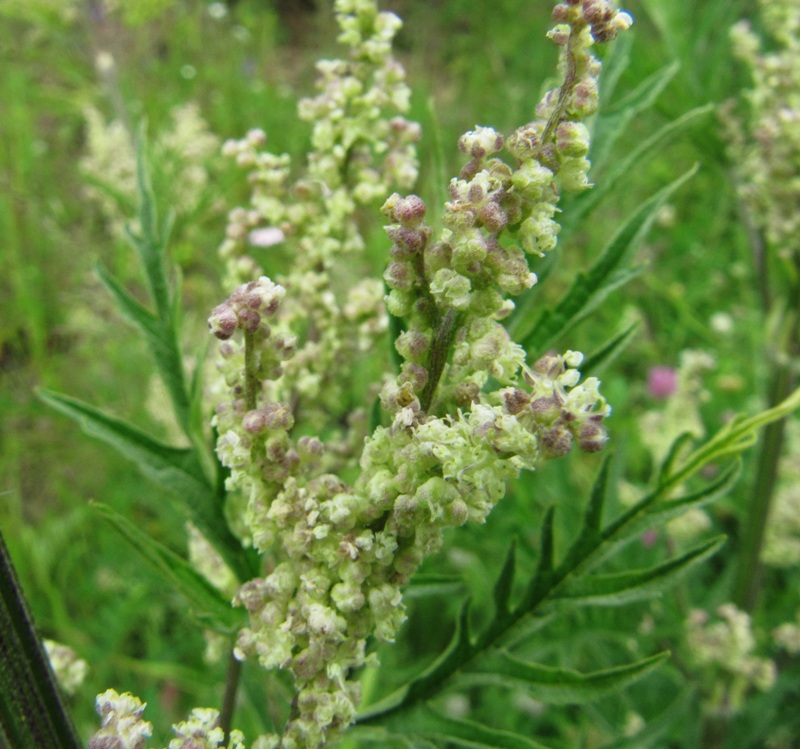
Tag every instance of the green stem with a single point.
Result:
(749, 573)
(443, 338)
(250, 371)
(232, 678)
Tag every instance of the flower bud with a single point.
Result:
(555, 441)
(592, 437)
(223, 322)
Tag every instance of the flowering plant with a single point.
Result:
(317, 505)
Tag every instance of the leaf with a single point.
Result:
(424, 585)
(736, 436)
(621, 167)
(505, 581)
(428, 681)
(654, 732)
(207, 602)
(557, 686)
(588, 287)
(613, 120)
(609, 350)
(620, 588)
(652, 511)
(177, 470)
(161, 342)
(32, 713)
(465, 733)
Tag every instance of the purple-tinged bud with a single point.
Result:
(466, 394)
(592, 437)
(249, 319)
(410, 211)
(309, 446)
(415, 374)
(399, 276)
(515, 400)
(572, 139)
(494, 218)
(556, 441)
(223, 322)
(585, 98)
(546, 410)
(254, 421)
(560, 34)
(407, 241)
(277, 416)
(561, 13)
(413, 345)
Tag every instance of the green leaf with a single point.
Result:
(621, 167)
(735, 437)
(656, 729)
(609, 350)
(619, 588)
(208, 603)
(505, 581)
(589, 288)
(425, 585)
(176, 470)
(32, 713)
(557, 686)
(464, 733)
(653, 511)
(613, 121)
(422, 686)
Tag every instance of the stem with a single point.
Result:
(232, 678)
(443, 338)
(251, 381)
(746, 587)
(782, 382)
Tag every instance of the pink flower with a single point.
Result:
(662, 382)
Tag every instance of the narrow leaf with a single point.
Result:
(541, 580)
(620, 588)
(208, 604)
(620, 168)
(609, 350)
(737, 435)
(558, 686)
(31, 711)
(177, 470)
(652, 511)
(613, 121)
(654, 733)
(464, 733)
(159, 334)
(426, 585)
(587, 286)
(428, 681)
(505, 581)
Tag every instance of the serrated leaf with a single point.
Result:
(32, 713)
(558, 686)
(465, 733)
(616, 589)
(587, 286)
(208, 603)
(176, 470)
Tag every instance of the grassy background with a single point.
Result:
(467, 63)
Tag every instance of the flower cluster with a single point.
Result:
(124, 728)
(182, 151)
(362, 149)
(70, 670)
(724, 649)
(765, 145)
